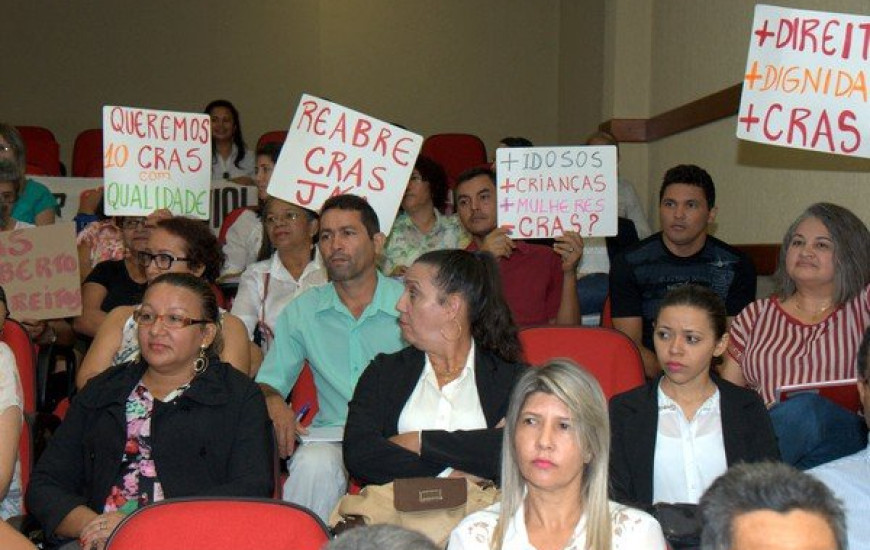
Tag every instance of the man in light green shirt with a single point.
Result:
(338, 328)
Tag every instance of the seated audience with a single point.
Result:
(554, 473)
(34, 203)
(679, 432)
(381, 537)
(177, 245)
(230, 158)
(175, 422)
(338, 328)
(539, 284)
(11, 420)
(770, 506)
(422, 225)
(809, 331)
(435, 408)
(114, 283)
(680, 253)
(267, 286)
(849, 477)
(244, 238)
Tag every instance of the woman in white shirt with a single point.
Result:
(436, 407)
(554, 473)
(11, 421)
(270, 284)
(230, 158)
(673, 436)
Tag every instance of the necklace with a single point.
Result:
(815, 313)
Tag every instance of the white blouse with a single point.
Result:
(632, 530)
(689, 455)
(221, 166)
(456, 406)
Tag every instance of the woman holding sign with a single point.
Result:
(230, 158)
(181, 245)
(809, 332)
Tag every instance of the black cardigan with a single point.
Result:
(216, 439)
(381, 394)
(746, 432)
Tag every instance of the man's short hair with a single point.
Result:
(381, 537)
(689, 174)
(354, 202)
(472, 173)
(771, 486)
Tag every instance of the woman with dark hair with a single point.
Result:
(176, 245)
(436, 406)
(244, 238)
(34, 203)
(673, 436)
(175, 422)
(230, 159)
(422, 225)
(809, 331)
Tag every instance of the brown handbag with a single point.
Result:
(432, 506)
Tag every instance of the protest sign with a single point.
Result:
(332, 150)
(39, 270)
(545, 191)
(806, 81)
(156, 159)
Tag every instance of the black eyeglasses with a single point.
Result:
(164, 261)
(170, 320)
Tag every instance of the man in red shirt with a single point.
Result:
(538, 282)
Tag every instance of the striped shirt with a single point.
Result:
(774, 349)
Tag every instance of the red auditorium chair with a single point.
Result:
(275, 136)
(455, 153)
(43, 151)
(608, 354)
(238, 523)
(88, 154)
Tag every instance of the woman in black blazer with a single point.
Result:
(709, 423)
(436, 407)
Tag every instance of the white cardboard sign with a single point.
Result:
(805, 84)
(332, 150)
(545, 191)
(156, 159)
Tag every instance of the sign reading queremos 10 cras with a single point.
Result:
(156, 159)
(806, 81)
(332, 150)
(544, 191)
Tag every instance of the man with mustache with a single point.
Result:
(538, 282)
(338, 328)
(679, 254)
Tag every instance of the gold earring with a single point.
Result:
(201, 362)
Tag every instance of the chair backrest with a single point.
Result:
(275, 136)
(43, 150)
(88, 154)
(228, 222)
(606, 353)
(238, 523)
(607, 313)
(455, 153)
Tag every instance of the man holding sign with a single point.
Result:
(538, 284)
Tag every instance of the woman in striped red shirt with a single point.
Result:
(809, 331)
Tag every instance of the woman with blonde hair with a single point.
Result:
(555, 456)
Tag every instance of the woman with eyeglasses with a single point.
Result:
(34, 203)
(271, 283)
(422, 225)
(114, 283)
(180, 245)
(175, 422)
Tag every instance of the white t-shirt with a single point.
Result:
(11, 395)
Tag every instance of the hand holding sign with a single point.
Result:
(331, 150)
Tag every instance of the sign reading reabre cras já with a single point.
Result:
(806, 81)
(332, 150)
(156, 159)
(39, 270)
(544, 191)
